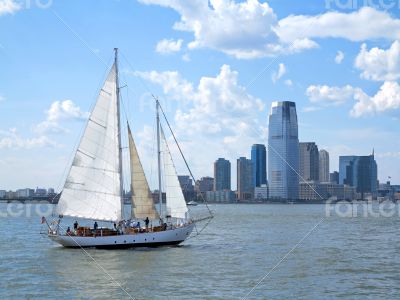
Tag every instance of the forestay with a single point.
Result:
(142, 200)
(176, 204)
(92, 188)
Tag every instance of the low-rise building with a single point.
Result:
(220, 196)
(320, 191)
(261, 192)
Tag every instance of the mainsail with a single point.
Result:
(92, 188)
(176, 204)
(142, 201)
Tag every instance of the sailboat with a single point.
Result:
(93, 189)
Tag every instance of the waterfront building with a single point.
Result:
(283, 151)
(40, 192)
(187, 187)
(259, 161)
(244, 178)
(204, 185)
(220, 196)
(324, 166)
(222, 174)
(321, 191)
(360, 172)
(25, 193)
(261, 192)
(309, 162)
(334, 177)
(3, 194)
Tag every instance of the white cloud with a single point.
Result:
(2, 98)
(311, 109)
(364, 24)
(250, 29)
(378, 64)
(244, 30)
(186, 57)
(339, 57)
(324, 94)
(387, 99)
(166, 46)
(288, 82)
(278, 74)
(58, 111)
(9, 7)
(12, 140)
(220, 118)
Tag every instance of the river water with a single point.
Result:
(342, 258)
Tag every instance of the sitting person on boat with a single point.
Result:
(68, 230)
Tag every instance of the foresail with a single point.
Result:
(142, 200)
(176, 204)
(92, 188)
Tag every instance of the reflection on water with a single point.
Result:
(347, 258)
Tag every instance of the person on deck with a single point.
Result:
(68, 230)
(147, 221)
(76, 225)
(95, 226)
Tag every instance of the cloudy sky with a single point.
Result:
(216, 67)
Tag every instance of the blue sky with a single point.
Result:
(216, 68)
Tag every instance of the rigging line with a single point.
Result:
(98, 265)
(180, 150)
(284, 257)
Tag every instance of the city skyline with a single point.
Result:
(216, 88)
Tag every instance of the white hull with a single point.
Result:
(149, 239)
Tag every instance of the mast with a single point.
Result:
(159, 157)
(119, 135)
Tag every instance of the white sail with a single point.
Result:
(176, 205)
(92, 188)
(142, 200)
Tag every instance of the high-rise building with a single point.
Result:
(204, 184)
(283, 151)
(244, 178)
(222, 174)
(360, 172)
(259, 160)
(187, 187)
(324, 166)
(309, 162)
(334, 177)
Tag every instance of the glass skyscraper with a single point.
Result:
(245, 188)
(259, 161)
(283, 151)
(360, 172)
(222, 174)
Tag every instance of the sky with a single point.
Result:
(216, 67)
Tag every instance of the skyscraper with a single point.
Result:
(309, 162)
(324, 166)
(283, 151)
(244, 178)
(259, 160)
(360, 172)
(222, 174)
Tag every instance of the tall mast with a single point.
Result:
(119, 135)
(159, 157)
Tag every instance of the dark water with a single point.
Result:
(345, 258)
